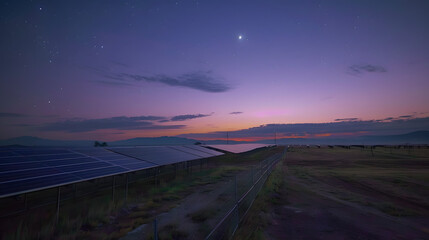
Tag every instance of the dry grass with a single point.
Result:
(258, 218)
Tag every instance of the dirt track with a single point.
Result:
(320, 203)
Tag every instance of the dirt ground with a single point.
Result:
(353, 194)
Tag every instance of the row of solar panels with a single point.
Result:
(30, 169)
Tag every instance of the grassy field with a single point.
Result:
(344, 193)
(97, 217)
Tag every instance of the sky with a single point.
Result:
(114, 70)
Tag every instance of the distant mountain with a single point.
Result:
(210, 142)
(35, 141)
(153, 141)
(419, 137)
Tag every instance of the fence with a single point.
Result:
(214, 214)
(229, 223)
(234, 198)
(56, 204)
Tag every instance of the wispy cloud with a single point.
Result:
(114, 84)
(11, 115)
(204, 81)
(235, 113)
(115, 123)
(188, 117)
(358, 69)
(346, 119)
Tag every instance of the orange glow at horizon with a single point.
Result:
(281, 136)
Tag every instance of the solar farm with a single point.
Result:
(30, 169)
(33, 179)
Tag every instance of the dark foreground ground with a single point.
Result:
(345, 194)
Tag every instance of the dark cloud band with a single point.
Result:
(188, 117)
(200, 80)
(116, 123)
(366, 68)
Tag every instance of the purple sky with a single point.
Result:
(113, 70)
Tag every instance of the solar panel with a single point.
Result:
(115, 158)
(33, 184)
(192, 151)
(28, 152)
(38, 158)
(30, 169)
(136, 166)
(159, 155)
(22, 166)
(41, 168)
(7, 154)
(81, 167)
(203, 149)
(14, 175)
(87, 174)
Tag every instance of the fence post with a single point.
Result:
(25, 201)
(236, 206)
(126, 187)
(74, 190)
(113, 189)
(155, 229)
(57, 217)
(235, 189)
(156, 176)
(253, 177)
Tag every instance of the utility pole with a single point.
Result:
(275, 138)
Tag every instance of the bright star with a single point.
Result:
(240, 37)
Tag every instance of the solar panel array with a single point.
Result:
(164, 155)
(238, 148)
(30, 169)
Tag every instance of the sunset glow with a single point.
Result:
(164, 69)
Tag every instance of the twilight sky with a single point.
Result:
(113, 70)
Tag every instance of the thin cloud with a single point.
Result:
(235, 113)
(115, 123)
(366, 68)
(346, 119)
(115, 84)
(204, 81)
(11, 115)
(188, 117)
(403, 117)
